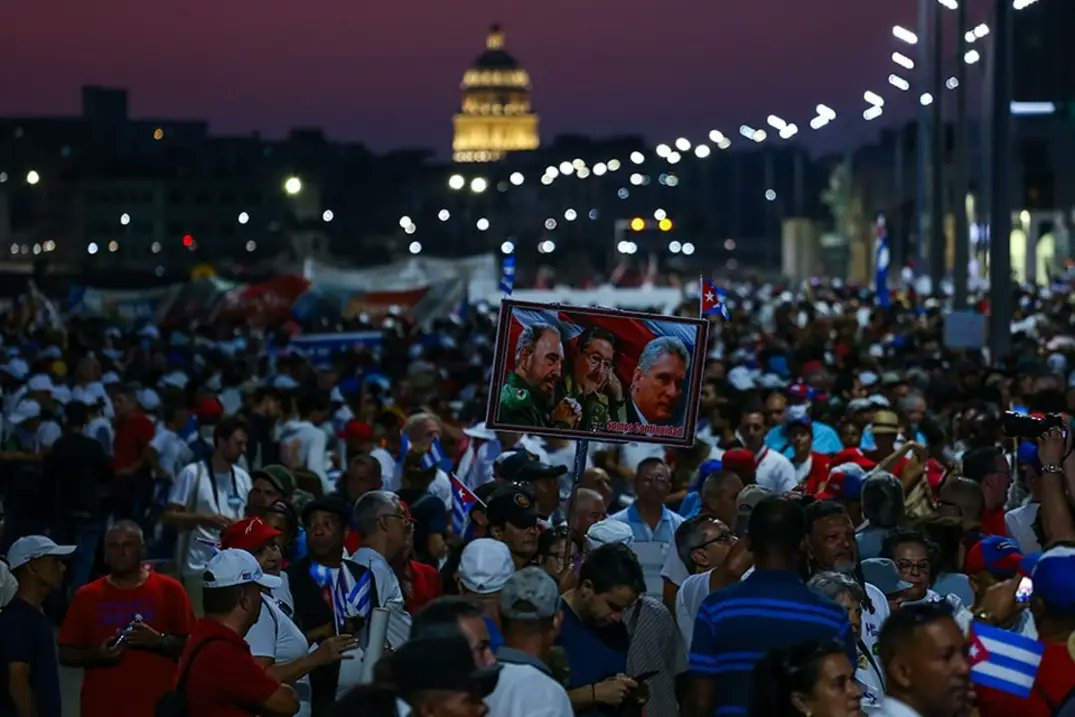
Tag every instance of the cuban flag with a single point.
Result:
(713, 300)
(351, 598)
(1003, 660)
(507, 274)
(883, 259)
(435, 456)
(463, 499)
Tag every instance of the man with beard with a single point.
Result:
(657, 383)
(592, 380)
(924, 659)
(830, 545)
(528, 397)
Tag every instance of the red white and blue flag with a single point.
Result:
(713, 299)
(1004, 660)
(463, 499)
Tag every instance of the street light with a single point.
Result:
(91, 248)
(789, 131)
(292, 185)
(904, 35)
(638, 157)
(926, 99)
(570, 215)
(507, 247)
(770, 195)
(873, 98)
(688, 248)
(683, 144)
(405, 222)
(32, 177)
(659, 214)
(776, 122)
(902, 60)
(516, 178)
(415, 247)
(125, 219)
(971, 57)
(674, 246)
(444, 215)
(482, 224)
(328, 215)
(872, 113)
(243, 217)
(251, 245)
(898, 82)
(478, 185)
(663, 150)
(456, 182)
(702, 151)
(550, 224)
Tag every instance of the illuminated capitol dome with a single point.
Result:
(496, 116)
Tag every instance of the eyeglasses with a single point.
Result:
(407, 524)
(726, 537)
(596, 360)
(913, 566)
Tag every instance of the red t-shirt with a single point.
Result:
(818, 475)
(132, 437)
(1056, 678)
(425, 586)
(97, 611)
(993, 522)
(224, 680)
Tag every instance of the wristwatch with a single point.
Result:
(1052, 468)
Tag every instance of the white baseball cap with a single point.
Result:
(27, 409)
(16, 368)
(608, 531)
(39, 382)
(485, 566)
(33, 547)
(236, 567)
(148, 399)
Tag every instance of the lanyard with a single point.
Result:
(212, 480)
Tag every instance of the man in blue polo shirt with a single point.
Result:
(653, 525)
(771, 608)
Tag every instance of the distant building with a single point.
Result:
(496, 117)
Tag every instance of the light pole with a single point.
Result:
(962, 244)
(1000, 220)
(936, 223)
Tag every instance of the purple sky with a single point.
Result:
(389, 76)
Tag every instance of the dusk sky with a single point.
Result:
(387, 73)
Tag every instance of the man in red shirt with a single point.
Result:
(151, 609)
(218, 675)
(988, 468)
(1053, 608)
(131, 485)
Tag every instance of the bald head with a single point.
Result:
(589, 509)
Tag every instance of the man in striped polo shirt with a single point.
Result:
(771, 608)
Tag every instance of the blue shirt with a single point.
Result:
(826, 440)
(591, 657)
(691, 505)
(26, 636)
(736, 626)
(651, 545)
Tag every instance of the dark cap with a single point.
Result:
(327, 504)
(441, 663)
(515, 506)
(281, 478)
(523, 467)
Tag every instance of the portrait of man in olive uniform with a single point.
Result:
(592, 380)
(529, 394)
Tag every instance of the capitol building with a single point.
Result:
(496, 117)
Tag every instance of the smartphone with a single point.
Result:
(1024, 591)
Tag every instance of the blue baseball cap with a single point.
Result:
(993, 554)
(1053, 573)
(1028, 455)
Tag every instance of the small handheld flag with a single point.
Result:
(1003, 660)
(507, 275)
(435, 456)
(713, 300)
(353, 602)
(463, 499)
(883, 258)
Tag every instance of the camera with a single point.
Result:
(1017, 425)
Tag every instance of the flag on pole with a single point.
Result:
(1003, 660)
(713, 300)
(463, 499)
(353, 601)
(882, 259)
(507, 274)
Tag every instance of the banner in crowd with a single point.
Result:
(266, 303)
(596, 373)
(320, 349)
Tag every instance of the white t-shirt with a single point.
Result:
(311, 443)
(172, 451)
(692, 592)
(388, 466)
(673, 570)
(389, 594)
(872, 622)
(775, 472)
(224, 494)
(277, 637)
(526, 691)
(1020, 525)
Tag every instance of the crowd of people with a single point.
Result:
(868, 522)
